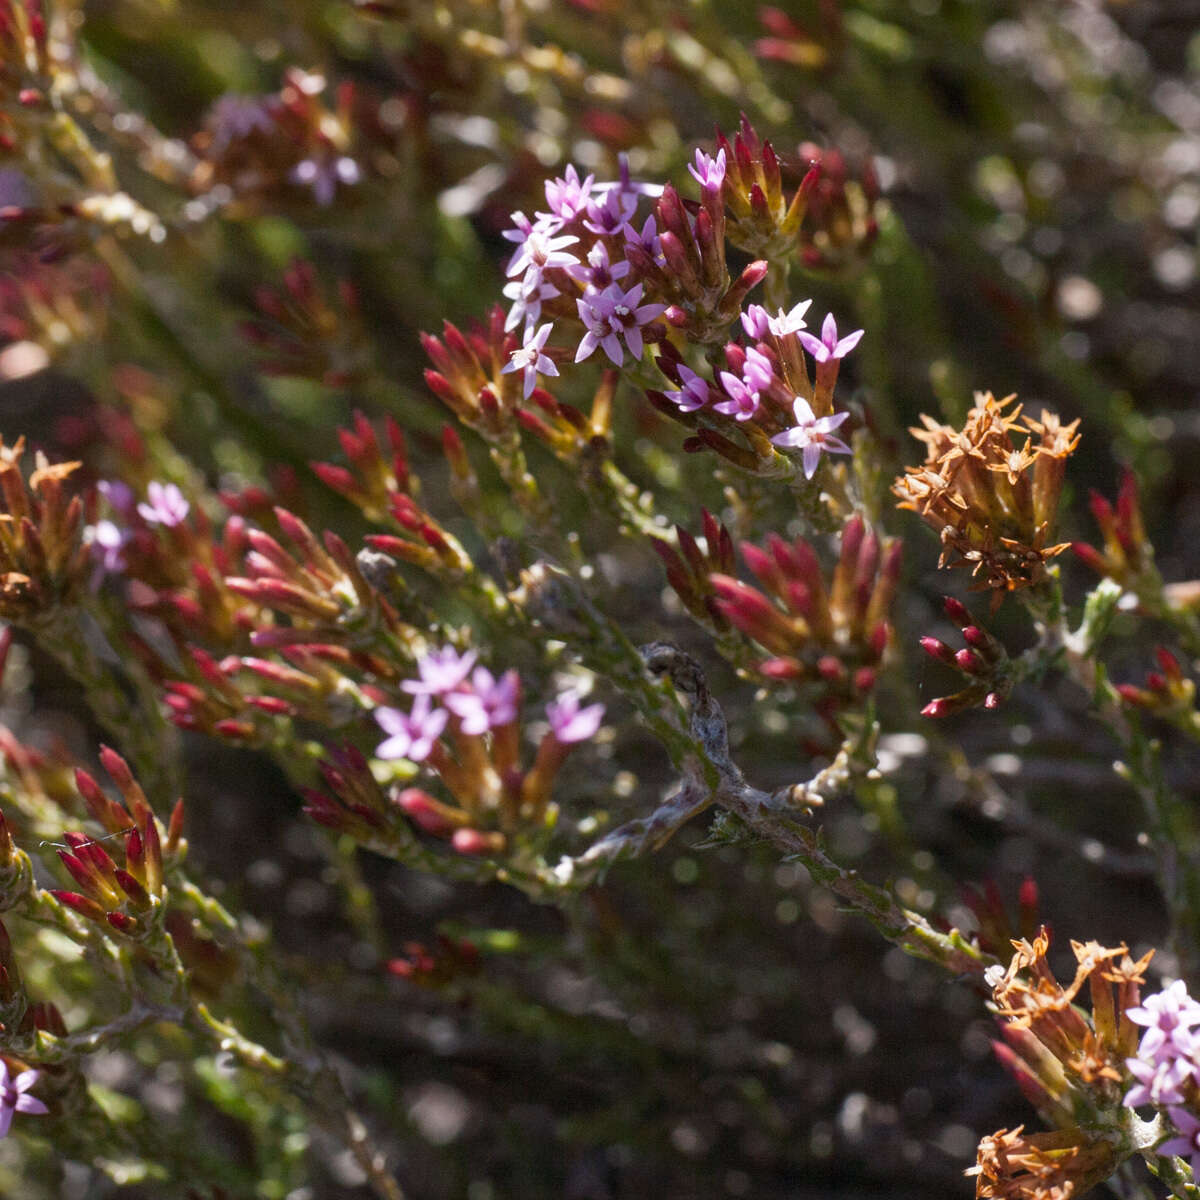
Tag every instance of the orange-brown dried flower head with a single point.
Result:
(42, 560)
(1041, 1166)
(1068, 1063)
(1030, 997)
(991, 490)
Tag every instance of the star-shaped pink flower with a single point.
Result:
(829, 346)
(15, 1098)
(531, 359)
(813, 435)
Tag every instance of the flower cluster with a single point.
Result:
(463, 725)
(48, 306)
(690, 570)
(1068, 1064)
(302, 332)
(765, 222)
(255, 148)
(991, 500)
(983, 661)
(766, 394)
(997, 931)
(1167, 1066)
(1167, 693)
(1126, 556)
(126, 898)
(1015, 1165)
(551, 269)
(244, 571)
(833, 635)
(844, 211)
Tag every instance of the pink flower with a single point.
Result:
(441, 672)
(755, 322)
(412, 734)
(570, 723)
(757, 371)
(1187, 1144)
(522, 227)
(709, 172)
(611, 214)
(600, 272)
(489, 703)
(14, 1097)
(166, 506)
(829, 346)
(527, 295)
(647, 238)
(1168, 1015)
(531, 359)
(1157, 1083)
(119, 495)
(107, 547)
(693, 394)
(793, 321)
(742, 402)
(539, 252)
(627, 186)
(812, 434)
(613, 314)
(568, 196)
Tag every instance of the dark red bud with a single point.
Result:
(956, 611)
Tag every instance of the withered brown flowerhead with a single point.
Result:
(42, 559)
(990, 496)
(1068, 1064)
(1041, 1166)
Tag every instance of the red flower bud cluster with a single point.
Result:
(467, 375)
(302, 333)
(123, 897)
(320, 613)
(1167, 693)
(448, 960)
(983, 660)
(176, 574)
(835, 635)
(379, 482)
(690, 569)
(692, 278)
(788, 42)
(46, 305)
(997, 930)
(764, 221)
(1127, 554)
(570, 435)
(844, 209)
